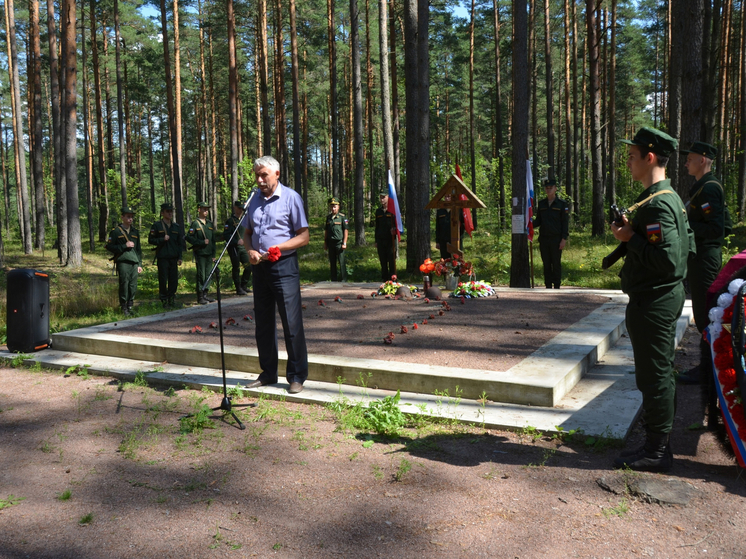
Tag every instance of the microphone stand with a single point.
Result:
(226, 404)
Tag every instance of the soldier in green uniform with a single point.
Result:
(385, 231)
(659, 242)
(124, 244)
(166, 236)
(706, 212)
(553, 217)
(237, 251)
(335, 239)
(443, 229)
(201, 236)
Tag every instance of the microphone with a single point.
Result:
(246, 205)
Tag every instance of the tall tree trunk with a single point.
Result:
(549, 91)
(178, 161)
(37, 153)
(416, 19)
(335, 155)
(520, 274)
(120, 106)
(233, 99)
(87, 136)
(178, 202)
(394, 97)
(70, 60)
(612, 109)
(569, 133)
(598, 218)
(576, 176)
(472, 147)
(103, 195)
(261, 39)
(357, 132)
(742, 158)
(499, 114)
(298, 153)
(686, 69)
(209, 115)
(24, 216)
(388, 139)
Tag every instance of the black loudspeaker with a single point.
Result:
(28, 310)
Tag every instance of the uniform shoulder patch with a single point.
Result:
(706, 208)
(654, 232)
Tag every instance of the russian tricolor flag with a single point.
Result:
(394, 207)
(529, 201)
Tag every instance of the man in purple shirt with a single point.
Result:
(275, 218)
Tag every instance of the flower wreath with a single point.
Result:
(729, 394)
(473, 288)
(390, 287)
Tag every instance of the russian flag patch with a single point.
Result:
(654, 233)
(706, 208)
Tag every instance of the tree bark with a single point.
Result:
(520, 274)
(549, 91)
(24, 217)
(103, 195)
(69, 50)
(120, 106)
(233, 99)
(358, 132)
(498, 115)
(37, 153)
(335, 155)
(298, 153)
(598, 218)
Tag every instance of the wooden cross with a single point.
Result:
(455, 188)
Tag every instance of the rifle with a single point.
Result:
(621, 250)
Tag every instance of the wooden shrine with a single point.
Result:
(455, 195)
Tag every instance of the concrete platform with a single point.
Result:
(581, 379)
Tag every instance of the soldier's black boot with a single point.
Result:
(241, 290)
(207, 297)
(130, 304)
(655, 455)
(125, 310)
(201, 298)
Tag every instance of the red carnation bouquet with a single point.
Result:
(273, 254)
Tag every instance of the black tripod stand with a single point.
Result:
(225, 404)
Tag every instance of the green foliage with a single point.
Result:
(403, 469)
(86, 519)
(198, 420)
(65, 495)
(10, 501)
(384, 416)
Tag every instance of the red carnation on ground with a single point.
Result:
(248, 317)
(213, 324)
(230, 321)
(427, 300)
(338, 299)
(424, 321)
(196, 330)
(389, 338)
(273, 254)
(432, 316)
(360, 297)
(463, 300)
(372, 293)
(321, 303)
(404, 329)
(414, 326)
(441, 312)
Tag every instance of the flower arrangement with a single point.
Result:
(471, 289)
(453, 265)
(390, 287)
(729, 395)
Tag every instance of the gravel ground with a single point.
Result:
(294, 484)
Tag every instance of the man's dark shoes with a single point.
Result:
(241, 291)
(295, 388)
(207, 297)
(655, 456)
(257, 383)
(201, 298)
(692, 376)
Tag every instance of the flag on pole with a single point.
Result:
(529, 209)
(466, 212)
(393, 207)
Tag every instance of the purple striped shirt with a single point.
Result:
(276, 219)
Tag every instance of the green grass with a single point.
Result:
(10, 501)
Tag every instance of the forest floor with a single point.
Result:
(92, 469)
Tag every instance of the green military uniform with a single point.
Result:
(237, 252)
(127, 261)
(554, 221)
(706, 212)
(385, 222)
(168, 256)
(443, 230)
(334, 234)
(652, 276)
(199, 231)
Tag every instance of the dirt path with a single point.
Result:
(294, 484)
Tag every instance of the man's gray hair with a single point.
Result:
(267, 161)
